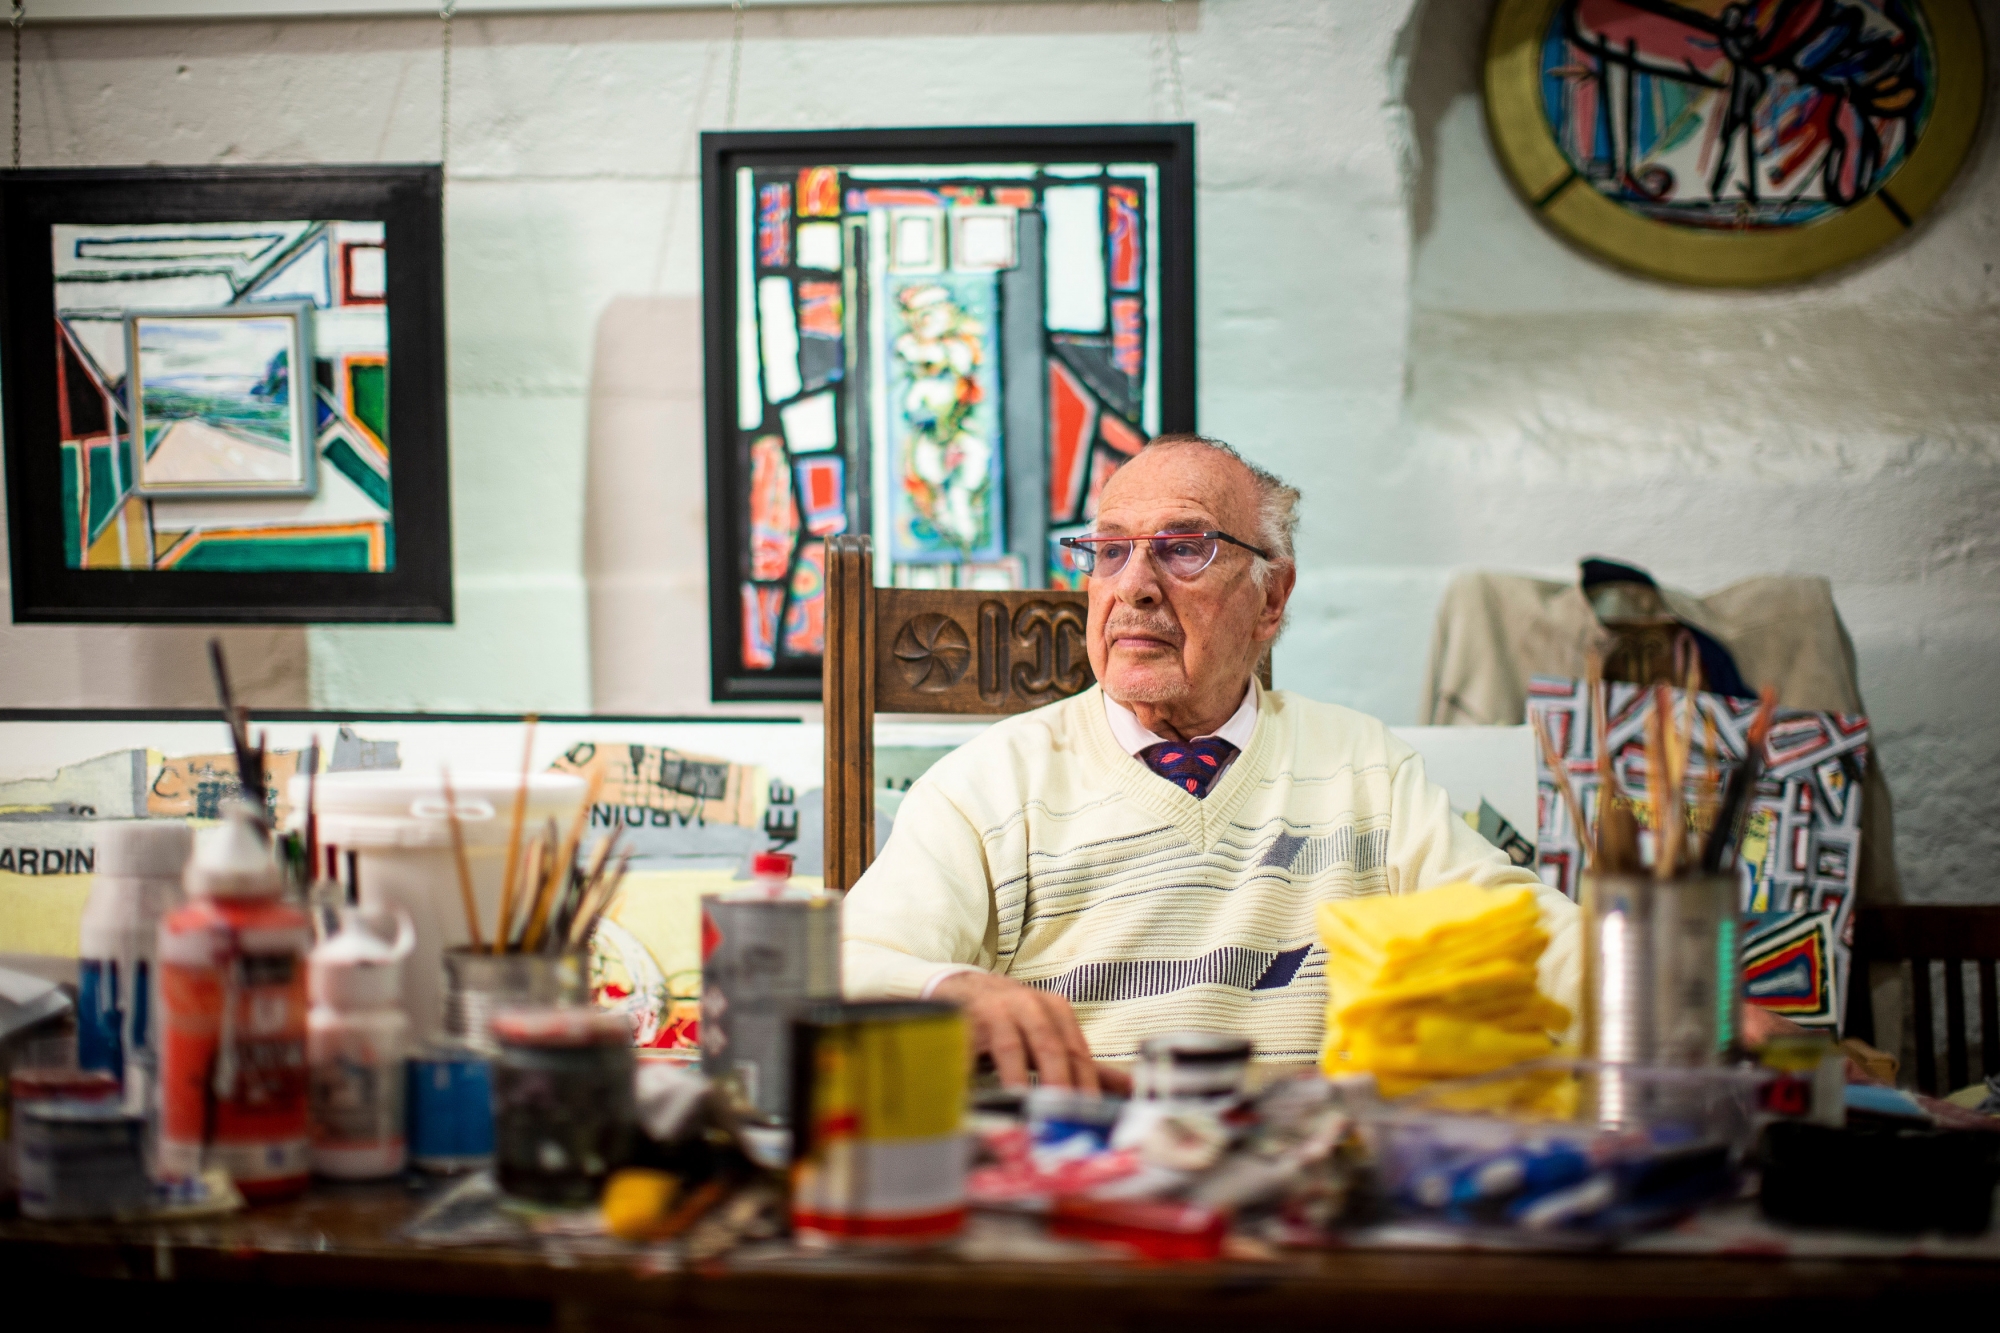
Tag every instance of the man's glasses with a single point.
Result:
(1181, 554)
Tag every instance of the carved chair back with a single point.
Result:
(908, 650)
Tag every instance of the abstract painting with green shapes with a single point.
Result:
(223, 396)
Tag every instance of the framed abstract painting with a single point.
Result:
(946, 339)
(225, 394)
(1733, 142)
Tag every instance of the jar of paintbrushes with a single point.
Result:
(1662, 977)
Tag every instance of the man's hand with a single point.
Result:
(1023, 1028)
(1760, 1025)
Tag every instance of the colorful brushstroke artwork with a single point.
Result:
(941, 386)
(1802, 843)
(774, 512)
(1128, 336)
(819, 192)
(774, 225)
(1790, 135)
(761, 604)
(805, 616)
(922, 354)
(823, 494)
(1126, 271)
(1072, 418)
(222, 396)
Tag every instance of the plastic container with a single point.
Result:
(138, 881)
(1688, 1133)
(357, 1046)
(397, 824)
(233, 1085)
(565, 1115)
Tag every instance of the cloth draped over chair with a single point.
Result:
(1495, 630)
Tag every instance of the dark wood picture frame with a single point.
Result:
(1170, 147)
(408, 200)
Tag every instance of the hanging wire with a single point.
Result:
(19, 17)
(735, 64)
(1174, 60)
(444, 84)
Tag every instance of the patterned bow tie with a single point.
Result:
(1193, 767)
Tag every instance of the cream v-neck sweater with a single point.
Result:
(1043, 852)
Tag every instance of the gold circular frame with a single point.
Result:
(1568, 203)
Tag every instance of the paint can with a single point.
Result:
(565, 1109)
(233, 1080)
(767, 951)
(1205, 1067)
(878, 1108)
(79, 1160)
(450, 1099)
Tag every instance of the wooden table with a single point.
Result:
(332, 1260)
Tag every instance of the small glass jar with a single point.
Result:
(563, 1109)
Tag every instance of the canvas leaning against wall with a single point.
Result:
(224, 395)
(945, 339)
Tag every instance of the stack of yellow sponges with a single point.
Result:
(1436, 984)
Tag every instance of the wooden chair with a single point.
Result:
(909, 650)
(1952, 937)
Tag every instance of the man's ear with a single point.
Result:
(1277, 595)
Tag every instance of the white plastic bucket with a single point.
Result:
(396, 823)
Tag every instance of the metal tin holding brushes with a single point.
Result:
(1661, 981)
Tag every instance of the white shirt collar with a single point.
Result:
(1132, 737)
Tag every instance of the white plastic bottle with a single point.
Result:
(137, 881)
(357, 1046)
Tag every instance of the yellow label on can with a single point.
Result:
(898, 1079)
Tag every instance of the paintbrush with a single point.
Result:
(601, 900)
(580, 887)
(1727, 832)
(249, 764)
(564, 869)
(509, 874)
(312, 810)
(1669, 820)
(465, 895)
(548, 871)
(1617, 849)
(1559, 771)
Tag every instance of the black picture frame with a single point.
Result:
(408, 200)
(1170, 147)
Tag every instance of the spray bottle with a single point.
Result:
(358, 1044)
(233, 1085)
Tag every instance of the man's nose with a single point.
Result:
(1138, 583)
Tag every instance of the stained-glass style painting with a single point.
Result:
(222, 394)
(952, 356)
(1733, 140)
(1801, 846)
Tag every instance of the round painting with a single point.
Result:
(1733, 142)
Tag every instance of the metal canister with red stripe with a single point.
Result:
(878, 1109)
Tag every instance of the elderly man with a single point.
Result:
(1148, 855)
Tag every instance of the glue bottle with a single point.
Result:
(233, 1017)
(137, 881)
(357, 1042)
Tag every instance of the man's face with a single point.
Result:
(1157, 639)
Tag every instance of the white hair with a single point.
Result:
(1277, 505)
